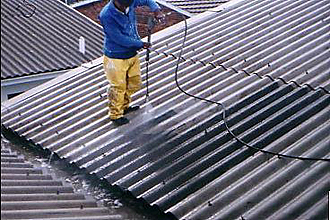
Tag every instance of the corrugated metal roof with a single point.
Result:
(46, 39)
(266, 61)
(196, 6)
(31, 192)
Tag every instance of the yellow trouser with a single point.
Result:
(124, 76)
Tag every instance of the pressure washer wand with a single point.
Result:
(151, 25)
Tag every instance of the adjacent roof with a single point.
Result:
(266, 61)
(43, 36)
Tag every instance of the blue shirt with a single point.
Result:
(122, 40)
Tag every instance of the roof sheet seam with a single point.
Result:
(215, 64)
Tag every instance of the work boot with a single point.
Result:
(120, 121)
(131, 109)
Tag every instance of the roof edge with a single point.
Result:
(83, 3)
(222, 7)
(30, 93)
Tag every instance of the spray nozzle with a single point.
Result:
(152, 21)
(147, 98)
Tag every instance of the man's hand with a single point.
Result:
(146, 45)
(160, 17)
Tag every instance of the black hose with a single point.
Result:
(147, 66)
(27, 5)
(224, 109)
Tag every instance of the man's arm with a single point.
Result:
(150, 3)
(154, 7)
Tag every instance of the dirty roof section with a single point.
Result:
(43, 36)
(267, 62)
(195, 7)
(29, 191)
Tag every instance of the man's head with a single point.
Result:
(125, 3)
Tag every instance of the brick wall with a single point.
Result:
(142, 13)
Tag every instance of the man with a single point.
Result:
(121, 61)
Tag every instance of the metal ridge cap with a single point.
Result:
(220, 7)
(175, 8)
(30, 93)
(30, 78)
